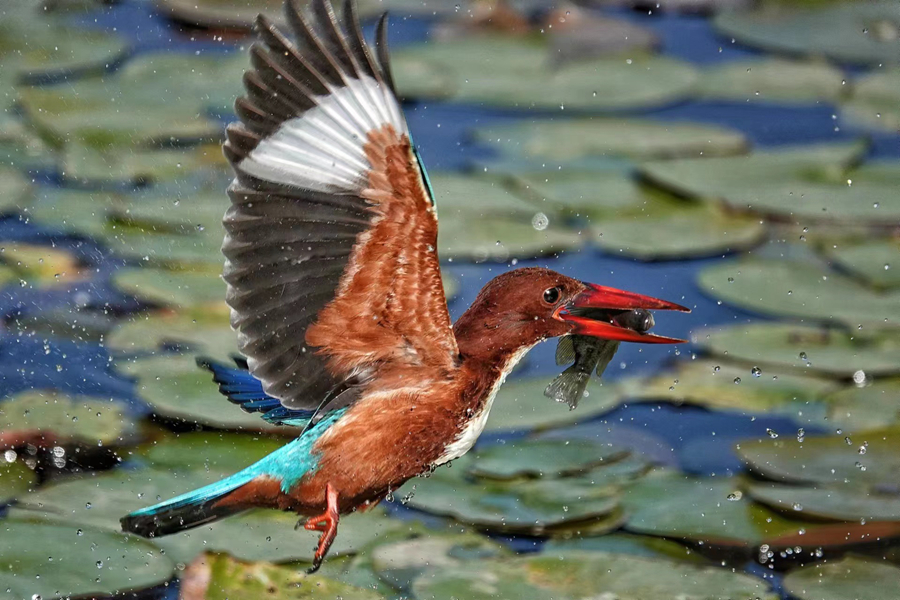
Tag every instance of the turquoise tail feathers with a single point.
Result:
(287, 465)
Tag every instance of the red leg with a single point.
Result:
(327, 523)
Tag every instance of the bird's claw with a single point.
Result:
(327, 523)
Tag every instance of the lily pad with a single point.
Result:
(176, 388)
(40, 264)
(400, 563)
(73, 211)
(520, 405)
(48, 418)
(708, 511)
(852, 32)
(16, 190)
(569, 139)
(101, 500)
(43, 560)
(501, 239)
(208, 334)
(874, 102)
(541, 458)
(516, 72)
(845, 579)
(217, 451)
(15, 479)
(729, 387)
(571, 574)
(220, 14)
(800, 184)
(201, 249)
(873, 406)
(802, 290)
(802, 348)
(774, 80)
(467, 197)
(870, 261)
(584, 194)
(580, 34)
(626, 543)
(233, 579)
(137, 166)
(827, 503)
(868, 459)
(666, 230)
(190, 290)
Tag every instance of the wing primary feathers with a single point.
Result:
(381, 48)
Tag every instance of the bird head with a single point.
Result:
(524, 306)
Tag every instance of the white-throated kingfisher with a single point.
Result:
(336, 297)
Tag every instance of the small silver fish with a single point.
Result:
(590, 354)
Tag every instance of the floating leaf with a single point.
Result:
(568, 139)
(213, 451)
(520, 405)
(833, 459)
(571, 574)
(874, 102)
(802, 348)
(415, 78)
(190, 290)
(197, 250)
(515, 72)
(100, 502)
(803, 184)
(626, 543)
(43, 560)
(15, 478)
(828, 503)
(594, 194)
(773, 80)
(730, 387)
(501, 238)
(846, 579)
(47, 418)
(16, 189)
(476, 198)
(801, 290)
(870, 261)
(676, 230)
(40, 264)
(137, 166)
(708, 511)
(538, 458)
(176, 388)
(73, 211)
(860, 408)
(206, 334)
(580, 34)
(233, 579)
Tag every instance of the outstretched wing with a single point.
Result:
(330, 240)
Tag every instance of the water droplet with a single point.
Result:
(717, 368)
(771, 433)
(737, 379)
(756, 371)
(540, 221)
(99, 564)
(797, 506)
(735, 495)
(803, 356)
(87, 505)
(731, 280)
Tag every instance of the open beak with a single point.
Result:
(592, 311)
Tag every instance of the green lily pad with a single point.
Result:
(501, 239)
(415, 78)
(802, 348)
(665, 230)
(43, 560)
(73, 211)
(20, 146)
(856, 409)
(547, 508)
(400, 563)
(870, 261)
(208, 334)
(15, 479)
(541, 458)
(846, 579)
(217, 451)
(520, 405)
(176, 388)
(585, 194)
(801, 184)
(201, 249)
(626, 543)
(190, 290)
(569, 575)
(802, 290)
(708, 511)
(233, 579)
(868, 459)
(100, 502)
(137, 166)
(467, 197)
(874, 102)
(220, 14)
(851, 32)
(16, 190)
(518, 72)
(828, 503)
(569, 139)
(774, 80)
(48, 418)
(730, 387)
(40, 264)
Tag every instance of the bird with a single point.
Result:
(335, 293)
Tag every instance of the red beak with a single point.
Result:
(598, 298)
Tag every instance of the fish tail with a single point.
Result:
(189, 510)
(569, 386)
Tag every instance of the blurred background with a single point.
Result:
(740, 157)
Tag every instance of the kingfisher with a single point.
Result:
(335, 291)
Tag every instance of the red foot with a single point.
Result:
(327, 523)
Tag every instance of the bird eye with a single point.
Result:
(551, 295)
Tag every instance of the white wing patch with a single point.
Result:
(323, 150)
